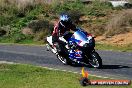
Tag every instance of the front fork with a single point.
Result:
(87, 55)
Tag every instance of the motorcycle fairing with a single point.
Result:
(75, 54)
(49, 39)
(80, 38)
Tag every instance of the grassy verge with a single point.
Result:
(27, 76)
(26, 41)
(125, 48)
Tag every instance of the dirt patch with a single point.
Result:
(120, 39)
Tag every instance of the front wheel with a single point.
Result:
(95, 60)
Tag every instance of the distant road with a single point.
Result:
(115, 64)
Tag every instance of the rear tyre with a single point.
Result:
(95, 60)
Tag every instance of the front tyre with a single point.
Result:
(95, 60)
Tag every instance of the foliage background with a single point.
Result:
(98, 18)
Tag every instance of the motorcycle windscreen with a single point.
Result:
(80, 36)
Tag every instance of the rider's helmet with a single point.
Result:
(65, 20)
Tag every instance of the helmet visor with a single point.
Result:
(65, 23)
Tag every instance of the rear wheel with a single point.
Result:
(95, 60)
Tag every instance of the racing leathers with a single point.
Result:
(61, 30)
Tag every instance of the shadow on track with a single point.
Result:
(114, 67)
(103, 67)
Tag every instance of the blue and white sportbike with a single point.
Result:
(78, 47)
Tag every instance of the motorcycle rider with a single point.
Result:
(62, 28)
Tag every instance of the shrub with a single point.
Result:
(21, 37)
(120, 23)
(41, 28)
(75, 15)
(74, 9)
(41, 35)
(18, 15)
(38, 25)
(97, 8)
(96, 29)
(7, 13)
(2, 32)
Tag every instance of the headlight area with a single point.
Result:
(91, 44)
(86, 45)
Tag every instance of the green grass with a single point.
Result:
(27, 76)
(31, 41)
(26, 41)
(125, 48)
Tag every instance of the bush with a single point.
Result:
(2, 32)
(97, 29)
(74, 9)
(7, 13)
(75, 15)
(39, 25)
(41, 35)
(98, 9)
(67, 6)
(21, 37)
(121, 23)
(18, 15)
(41, 28)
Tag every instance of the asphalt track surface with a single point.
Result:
(115, 64)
